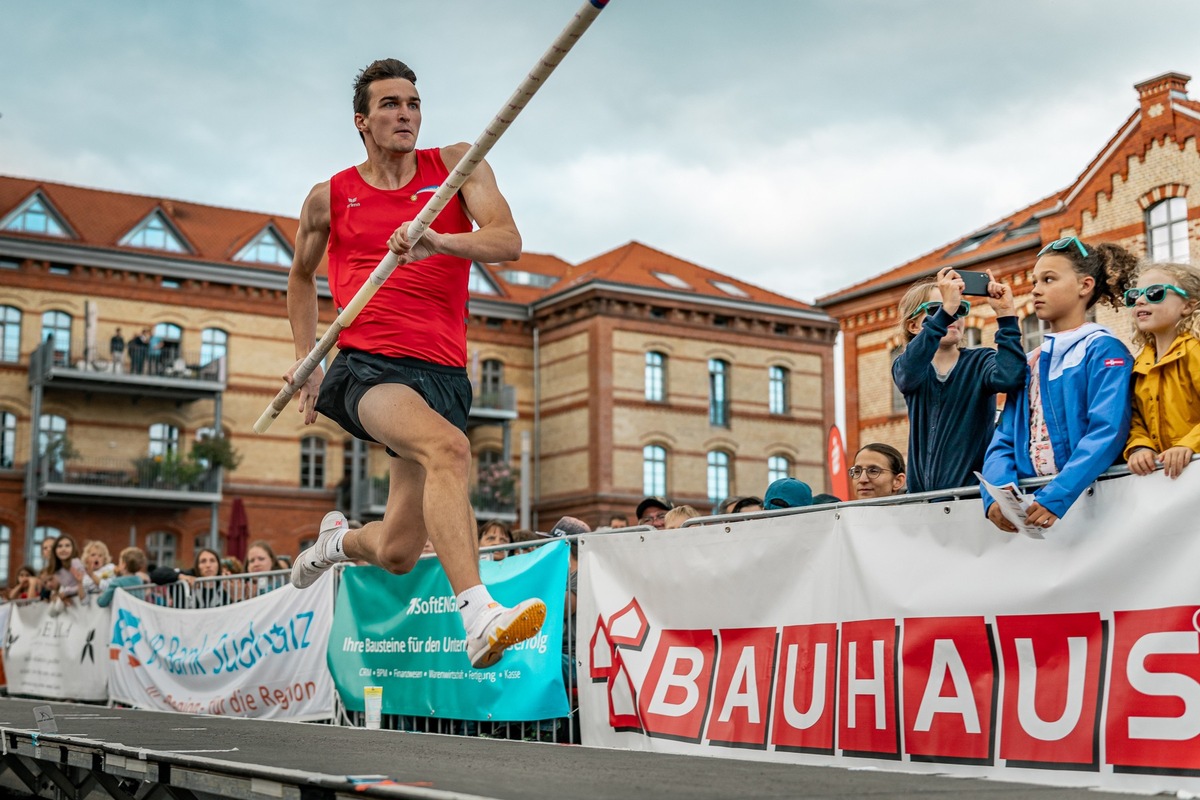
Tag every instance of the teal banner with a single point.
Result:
(404, 633)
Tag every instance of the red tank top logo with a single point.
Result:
(352, 202)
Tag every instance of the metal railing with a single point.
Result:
(491, 398)
(168, 361)
(144, 474)
(201, 593)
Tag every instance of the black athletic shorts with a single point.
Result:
(446, 389)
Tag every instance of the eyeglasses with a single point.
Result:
(872, 471)
(933, 306)
(650, 519)
(1155, 293)
(1063, 244)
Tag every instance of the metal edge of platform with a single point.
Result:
(76, 766)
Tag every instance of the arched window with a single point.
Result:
(10, 334)
(213, 345)
(718, 475)
(718, 392)
(656, 377)
(41, 534)
(654, 470)
(1167, 231)
(165, 341)
(491, 381)
(8, 439)
(56, 326)
(164, 440)
(52, 440)
(777, 390)
(160, 549)
(972, 337)
(778, 467)
(898, 404)
(1033, 331)
(312, 463)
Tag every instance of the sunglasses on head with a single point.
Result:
(1063, 244)
(1155, 293)
(933, 306)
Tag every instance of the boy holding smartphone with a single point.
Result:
(950, 392)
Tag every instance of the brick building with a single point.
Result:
(1136, 192)
(630, 372)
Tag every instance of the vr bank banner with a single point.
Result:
(59, 657)
(916, 638)
(404, 634)
(262, 658)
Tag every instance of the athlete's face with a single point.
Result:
(393, 117)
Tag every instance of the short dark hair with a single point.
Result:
(894, 457)
(379, 70)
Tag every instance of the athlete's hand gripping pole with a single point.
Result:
(454, 181)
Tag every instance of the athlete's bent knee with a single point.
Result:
(398, 560)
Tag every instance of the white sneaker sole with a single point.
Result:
(306, 570)
(524, 621)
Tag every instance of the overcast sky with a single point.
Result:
(796, 144)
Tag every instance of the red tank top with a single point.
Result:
(421, 310)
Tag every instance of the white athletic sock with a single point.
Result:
(472, 604)
(335, 546)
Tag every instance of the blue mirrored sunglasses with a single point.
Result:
(1063, 244)
(1155, 293)
(933, 306)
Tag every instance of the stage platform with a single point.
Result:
(100, 753)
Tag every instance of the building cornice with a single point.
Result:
(670, 297)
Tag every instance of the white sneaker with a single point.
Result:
(504, 628)
(313, 561)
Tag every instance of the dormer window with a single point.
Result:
(266, 248)
(155, 233)
(973, 241)
(36, 215)
(478, 281)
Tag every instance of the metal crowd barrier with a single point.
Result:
(215, 592)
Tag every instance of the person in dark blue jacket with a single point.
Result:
(951, 392)
(1071, 420)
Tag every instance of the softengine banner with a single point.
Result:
(262, 658)
(915, 637)
(403, 633)
(59, 657)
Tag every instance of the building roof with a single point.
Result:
(100, 219)
(1164, 111)
(637, 264)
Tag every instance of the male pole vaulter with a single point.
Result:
(400, 376)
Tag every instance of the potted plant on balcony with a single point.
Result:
(495, 489)
(216, 451)
(56, 451)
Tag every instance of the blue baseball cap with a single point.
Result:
(787, 493)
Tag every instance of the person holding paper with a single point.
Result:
(1071, 419)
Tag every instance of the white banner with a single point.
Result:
(261, 658)
(917, 638)
(5, 613)
(57, 657)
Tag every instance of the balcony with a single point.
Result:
(492, 403)
(377, 495)
(146, 480)
(172, 373)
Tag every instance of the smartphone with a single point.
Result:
(975, 283)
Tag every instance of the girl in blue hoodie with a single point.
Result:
(1072, 418)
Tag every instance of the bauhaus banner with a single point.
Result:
(916, 638)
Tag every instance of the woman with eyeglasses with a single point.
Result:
(1071, 419)
(878, 471)
(951, 392)
(1165, 431)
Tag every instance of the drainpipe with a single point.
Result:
(537, 422)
